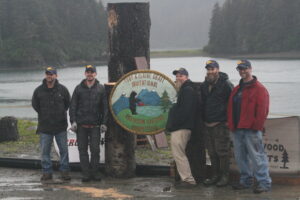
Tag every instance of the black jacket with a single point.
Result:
(215, 101)
(51, 104)
(89, 105)
(182, 115)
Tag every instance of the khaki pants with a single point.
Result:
(179, 140)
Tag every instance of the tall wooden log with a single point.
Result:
(129, 31)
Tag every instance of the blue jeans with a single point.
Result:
(46, 143)
(251, 158)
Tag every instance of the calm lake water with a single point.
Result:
(281, 77)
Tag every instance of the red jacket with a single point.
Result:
(254, 107)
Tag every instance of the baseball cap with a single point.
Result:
(90, 68)
(182, 71)
(212, 63)
(50, 70)
(243, 64)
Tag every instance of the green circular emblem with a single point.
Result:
(140, 101)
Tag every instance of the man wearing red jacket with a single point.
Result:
(248, 108)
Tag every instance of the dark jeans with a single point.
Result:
(217, 142)
(89, 137)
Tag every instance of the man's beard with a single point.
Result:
(90, 79)
(211, 78)
(50, 81)
(178, 85)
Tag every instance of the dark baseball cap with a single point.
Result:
(50, 70)
(182, 71)
(243, 64)
(90, 68)
(212, 64)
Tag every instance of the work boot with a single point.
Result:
(46, 177)
(211, 181)
(223, 180)
(224, 168)
(86, 177)
(215, 171)
(97, 176)
(183, 184)
(64, 175)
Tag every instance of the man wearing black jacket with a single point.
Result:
(88, 115)
(51, 101)
(180, 123)
(216, 90)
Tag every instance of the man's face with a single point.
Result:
(212, 73)
(180, 78)
(50, 78)
(245, 73)
(90, 76)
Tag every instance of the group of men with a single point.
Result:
(241, 110)
(88, 115)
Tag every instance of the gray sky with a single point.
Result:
(178, 24)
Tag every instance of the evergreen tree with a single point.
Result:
(255, 26)
(165, 102)
(285, 159)
(35, 32)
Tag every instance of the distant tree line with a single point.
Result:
(35, 32)
(255, 26)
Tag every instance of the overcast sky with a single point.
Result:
(178, 24)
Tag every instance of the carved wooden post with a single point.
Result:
(129, 31)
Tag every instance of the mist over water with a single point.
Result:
(281, 77)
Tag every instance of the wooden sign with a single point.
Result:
(140, 101)
(281, 144)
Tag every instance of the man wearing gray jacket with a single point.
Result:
(88, 116)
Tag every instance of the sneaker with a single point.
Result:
(65, 176)
(258, 190)
(46, 177)
(239, 187)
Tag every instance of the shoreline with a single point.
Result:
(294, 55)
(65, 65)
(192, 53)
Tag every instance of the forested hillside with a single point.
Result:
(39, 32)
(255, 26)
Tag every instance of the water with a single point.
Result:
(281, 77)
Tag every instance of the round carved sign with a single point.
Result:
(140, 101)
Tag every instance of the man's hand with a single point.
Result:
(74, 127)
(103, 128)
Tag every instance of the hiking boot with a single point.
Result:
(258, 190)
(46, 177)
(65, 176)
(223, 180)
(239, 187)
(213, 180)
